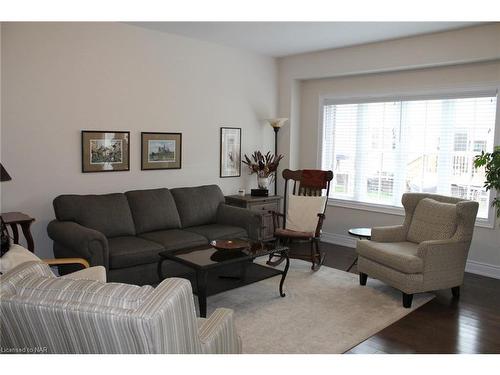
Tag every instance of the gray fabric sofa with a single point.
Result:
(124, 232)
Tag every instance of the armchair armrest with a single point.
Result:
(396, 233)
(218, 333)
(61, 261)
(249, 220)
(444, 255)
(82, 241)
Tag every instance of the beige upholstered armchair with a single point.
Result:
(42, 312)
(427, 252)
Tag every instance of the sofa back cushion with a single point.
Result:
(198, 205)
(432, 220)
(108, 213)
(153, 210)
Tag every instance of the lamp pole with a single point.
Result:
(276, 130)
(276, 124)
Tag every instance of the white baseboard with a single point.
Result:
(483, 269)
(472, 266)
(339, 239)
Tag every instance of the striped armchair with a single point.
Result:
(61, 315)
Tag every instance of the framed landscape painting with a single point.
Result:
(161, 150)
(105, 151)
(230, 152)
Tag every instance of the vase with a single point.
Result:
(263, 182)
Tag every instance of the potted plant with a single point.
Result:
(491, 163)
(265, 166)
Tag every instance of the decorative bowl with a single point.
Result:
(229, 244)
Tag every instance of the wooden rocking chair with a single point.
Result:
(310, 183)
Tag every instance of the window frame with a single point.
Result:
(426, 94)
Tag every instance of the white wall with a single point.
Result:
(302, 78)
(61, 78)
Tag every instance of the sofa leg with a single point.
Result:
(455, 291)
(362, 278)
(407, 299)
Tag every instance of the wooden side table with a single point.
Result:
(260, 204)
(13, 219)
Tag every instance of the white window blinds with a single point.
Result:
(380, 150)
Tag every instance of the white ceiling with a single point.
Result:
(287, 38)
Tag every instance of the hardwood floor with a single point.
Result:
(443, 325)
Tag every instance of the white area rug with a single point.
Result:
(323, 312)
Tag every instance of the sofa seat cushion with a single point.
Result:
(175, 239)
(432, 220)
(107, 213)
(153, 210)
(129, 251)
(198, 205)
(218, 231)
(401, 256)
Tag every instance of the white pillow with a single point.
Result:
(302, 212)
(15, 256)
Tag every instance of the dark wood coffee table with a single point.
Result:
(207, 261)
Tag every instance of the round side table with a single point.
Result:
(362, 234)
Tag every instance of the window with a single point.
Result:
(379, 150)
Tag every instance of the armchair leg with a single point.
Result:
(363, 277)
(455, 291)
(407, 299)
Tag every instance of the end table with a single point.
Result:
(362, 234)
(13, 219)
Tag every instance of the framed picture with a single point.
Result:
(161, 150)
(230, 152)
(105, 151)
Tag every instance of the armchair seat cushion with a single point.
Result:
(175, 239)
(218, 231)
(401, 256)
(129, 251)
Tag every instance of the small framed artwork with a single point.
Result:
(230, 152)
(105, 151)
(161, 150)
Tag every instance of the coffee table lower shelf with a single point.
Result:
(214, 280)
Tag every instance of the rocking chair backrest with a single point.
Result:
(310, 183)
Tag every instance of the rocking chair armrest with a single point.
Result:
(319, 226)
(276, 216)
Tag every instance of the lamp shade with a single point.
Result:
(277, 122)
(4, 175)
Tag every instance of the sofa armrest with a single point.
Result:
(218, 333)
(82, 241)
(249, 220)
(396, 233)
(444, 255)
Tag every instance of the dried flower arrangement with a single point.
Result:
(264, 165)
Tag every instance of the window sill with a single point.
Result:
(393, 210)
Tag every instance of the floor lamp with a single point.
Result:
(276, 124)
